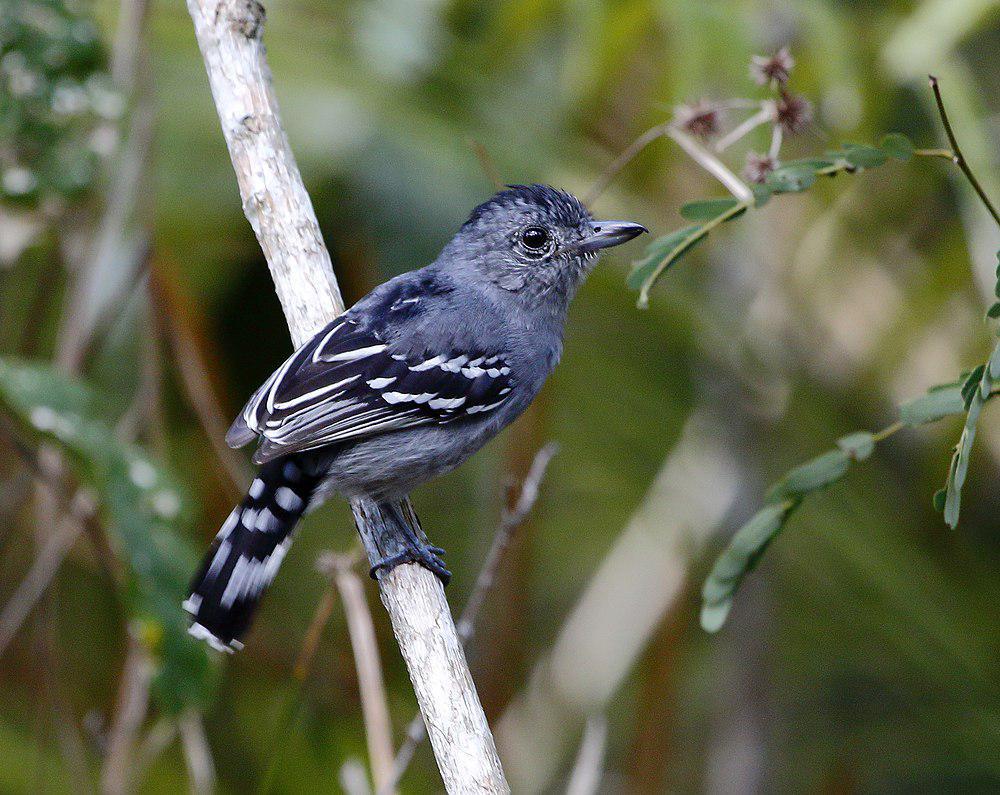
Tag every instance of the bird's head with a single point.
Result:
(535, 240)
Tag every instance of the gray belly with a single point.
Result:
(391, 465)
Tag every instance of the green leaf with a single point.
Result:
(897, 145)
(657, 251)
(706, 210)
(761, 195)
(738, 559)
(144, 508)
(939, 499)
(994, 311)
(815, 163)
(938, 403)
(865, 156)
(811, 476)
(791, 179)
(994, 363)
(959, 467)
(971, 384)
(862, 156)
(858, 445)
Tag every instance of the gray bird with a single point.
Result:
(403, 387)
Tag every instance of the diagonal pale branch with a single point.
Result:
(511, 521)
(279, 210)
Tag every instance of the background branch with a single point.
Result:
(364, 645)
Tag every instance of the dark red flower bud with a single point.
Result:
(765, 69)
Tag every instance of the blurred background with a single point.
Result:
(860, 657)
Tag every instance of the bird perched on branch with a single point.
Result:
(403, 387)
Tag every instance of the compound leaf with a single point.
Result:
(738, 559)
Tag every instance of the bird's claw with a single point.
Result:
(426, 556)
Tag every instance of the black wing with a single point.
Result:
(348, 383)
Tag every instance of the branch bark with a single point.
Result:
(279, 210)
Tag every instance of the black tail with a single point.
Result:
(247, 552)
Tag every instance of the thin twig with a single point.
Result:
(157, 739)
(47, 562)
(197, 753)
(696, 151)
(958, 157)
(77, 512)
(193, 370)
(300, 672)
(510, 522)
(133, 700)
(78, 515)
(776, 138)
(353, 778)
(633, 149)
(711, 164)
(586, 776)
(361, 628)
(486, 163)
(321, 616)
(763, 116)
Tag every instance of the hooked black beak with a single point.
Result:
(604, 234)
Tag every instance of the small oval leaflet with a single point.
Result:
(897, 145)
(864, 156)
(791, 179)
(933, 406)
(664, 251)
(858, 445)
(959, 467)
(739, 558)
(816, 474)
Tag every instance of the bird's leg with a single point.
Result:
(416, 550)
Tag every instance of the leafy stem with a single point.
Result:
(750, 542)
(945, 154)
(888, 431)
(685, 242)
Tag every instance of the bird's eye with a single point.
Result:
(535, 238)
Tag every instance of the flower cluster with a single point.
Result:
(786, 112)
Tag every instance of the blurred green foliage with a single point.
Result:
(861, 654)
(55, 92)
(147, 513)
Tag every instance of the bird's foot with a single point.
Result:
(426, 556)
